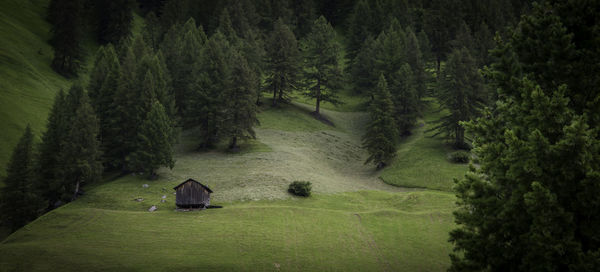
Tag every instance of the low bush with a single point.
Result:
(300, 188)
(459, 157)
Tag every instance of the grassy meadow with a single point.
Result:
(353, 222)
(358, 219)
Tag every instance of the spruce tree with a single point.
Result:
(152, 31)
(381, 135)
(82, 154)
(128, 114)
(403, 89)
(533, 205)
(461, 92)
(362, 69)
(67, 36)
(115, 20)
(104, 80)
(155, 141)
(212, 81)
(322, 71)
(358, 27)
(283, 59)
(414, 58)
(182, 50)
(240, 115)
(49, 166)
(19, 199)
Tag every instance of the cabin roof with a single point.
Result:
(193, 180)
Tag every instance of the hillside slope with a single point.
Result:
(354, 222)
(27, 83)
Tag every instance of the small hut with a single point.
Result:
(192, 194)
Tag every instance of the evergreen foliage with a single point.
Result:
(67, 36)
(381, 135)
(240, 112)
(283, 58)
(115, 19)
(212, 84)
(49, 164)
(461, 92)
(322, 71)
(359, 27)
(155, 141)
(533, 205)
(19, 199)
(406, 99)
(82, 154)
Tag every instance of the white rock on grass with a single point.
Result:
(164, 196)
(153, 208)
(145, 185)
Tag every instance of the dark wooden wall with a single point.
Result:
(192, 195)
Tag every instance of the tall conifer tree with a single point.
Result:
(461, 92)
(283, 59)
(82, 154)
(155, 141)
(322, 71)
(67, 36)
(19, 199)
(240, 115)
(381, 135)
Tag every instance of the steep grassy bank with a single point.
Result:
(27, 83)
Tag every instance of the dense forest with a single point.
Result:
(517, 84)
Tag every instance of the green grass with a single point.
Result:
(361, 231)
(27, 83)
(289, 117)
(350, 102)
(422, 160)
(353, 221)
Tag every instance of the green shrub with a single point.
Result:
(300, 188)
(459, 157)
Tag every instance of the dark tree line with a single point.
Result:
(533, 205)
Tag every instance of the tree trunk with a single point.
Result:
(438, 59)
(318, 97)
(274, 96)
(460, 138)
(76, 191)
(234, 146)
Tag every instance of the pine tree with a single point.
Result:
(67, 36)
(155, 141)
(19, 199)
(152, 31)
(533, 205)
(362, 69)
(102, 88)
(406, 99)
(322, 71)
(212, 81)
(358, 27)
(380, 139)
(414, 58)
(127, 112)
(461, 92)
(304, 13)
(240, 115)
(283, 58)
(182, 51)
(49, 166)
(82, 154)
(115, 20)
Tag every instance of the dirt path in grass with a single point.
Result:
(333, 160)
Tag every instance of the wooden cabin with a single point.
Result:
(192, 194)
